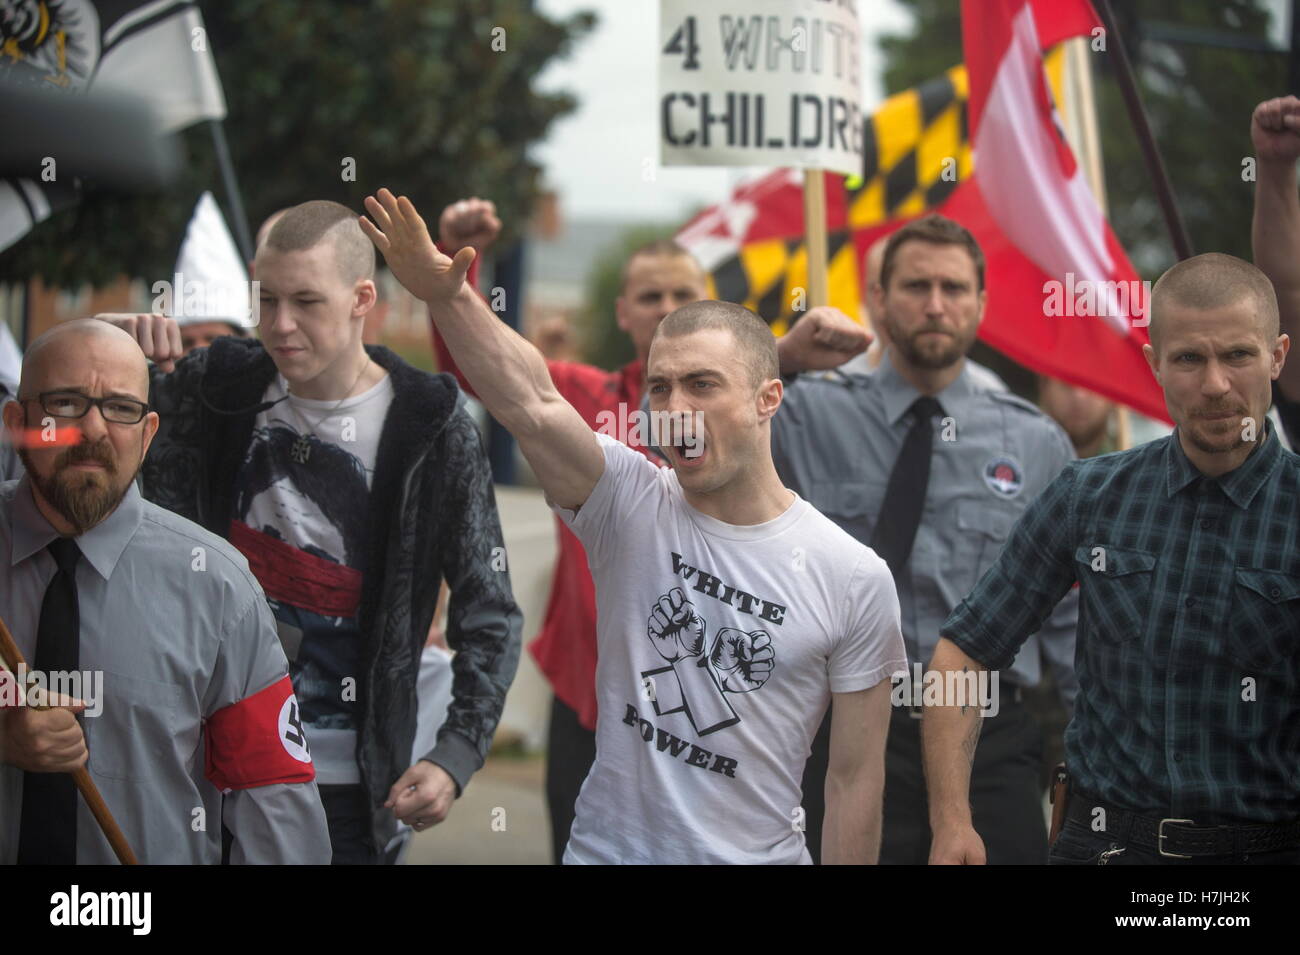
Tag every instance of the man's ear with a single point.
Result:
(150, 425)
(1153, 362)
(983, 300)
(876, 300)
(769, 398)
(620, 313)
(1280, 349)
(364, 297)
(14, 419)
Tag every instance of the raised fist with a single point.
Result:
(471, 222)
(1275, 129)
(674, 628)
(743, 661)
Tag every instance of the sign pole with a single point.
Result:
(814, 229)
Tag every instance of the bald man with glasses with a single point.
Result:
(185, 689)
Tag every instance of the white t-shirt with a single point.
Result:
(305, 481)
(718, 649)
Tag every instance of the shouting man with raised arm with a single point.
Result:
(729, 611)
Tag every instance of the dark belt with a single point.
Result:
(1182, 838)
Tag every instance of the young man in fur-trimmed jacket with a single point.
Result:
(353, 483)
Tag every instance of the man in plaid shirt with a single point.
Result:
(1185, 742)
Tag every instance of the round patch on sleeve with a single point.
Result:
(292, 736)
(1004, 476)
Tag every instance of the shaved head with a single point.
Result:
(42, 362)
(1215, 280)
(754, 339)
(305, 226)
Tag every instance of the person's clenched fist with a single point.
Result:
(45, 740)
(674, 628)
(1275, 129)
(158, 336)
(743, 661)
(469, 222)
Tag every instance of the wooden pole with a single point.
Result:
(1081, 123)
(814, 230)
(11, 658)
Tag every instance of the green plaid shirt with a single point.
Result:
(1188, 651)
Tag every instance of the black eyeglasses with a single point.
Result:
(73, 404)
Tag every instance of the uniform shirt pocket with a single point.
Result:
(1115, 590)
(136, 733)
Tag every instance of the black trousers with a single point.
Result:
(1006, 791)
(570, 751)
(347, 810)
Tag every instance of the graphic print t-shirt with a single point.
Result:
(300, 520)
(719, 647)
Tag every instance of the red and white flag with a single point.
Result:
(1063, 297)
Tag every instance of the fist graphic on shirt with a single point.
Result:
(742, 661)
(674, 627)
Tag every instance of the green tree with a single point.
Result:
(431, 98)
(1198, 96)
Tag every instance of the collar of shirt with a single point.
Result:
(897, 393)
(1240, 485)
(102, 545)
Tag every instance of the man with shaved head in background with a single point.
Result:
(353, 483)
(99, 581)
(1183, 745)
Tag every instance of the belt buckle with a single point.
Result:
(1160, 838)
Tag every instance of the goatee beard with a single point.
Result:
(83, 499)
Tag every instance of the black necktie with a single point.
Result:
(48, 835)
(900, 514)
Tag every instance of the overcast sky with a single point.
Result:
(594, 158)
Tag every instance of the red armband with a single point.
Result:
(258, 741)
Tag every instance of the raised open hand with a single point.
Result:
(401, 235)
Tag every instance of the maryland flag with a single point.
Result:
(1012, 181)
(917, 153)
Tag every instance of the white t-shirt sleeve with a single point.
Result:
(629, 476)
(870, 645)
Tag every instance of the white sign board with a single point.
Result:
(760, 83)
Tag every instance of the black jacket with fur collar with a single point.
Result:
(431, 515)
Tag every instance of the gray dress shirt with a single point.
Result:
(835, 440)
(179, 629)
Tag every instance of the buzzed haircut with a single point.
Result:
(937, 230)
(659, 248)
(303, 227)
(1215, 280)
(756, 341)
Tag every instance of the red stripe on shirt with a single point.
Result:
(296, 577)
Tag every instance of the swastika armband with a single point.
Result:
(258, 741)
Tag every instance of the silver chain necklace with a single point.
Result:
(301, 450)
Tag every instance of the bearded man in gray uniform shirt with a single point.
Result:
(185, 688)
(938, 515)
